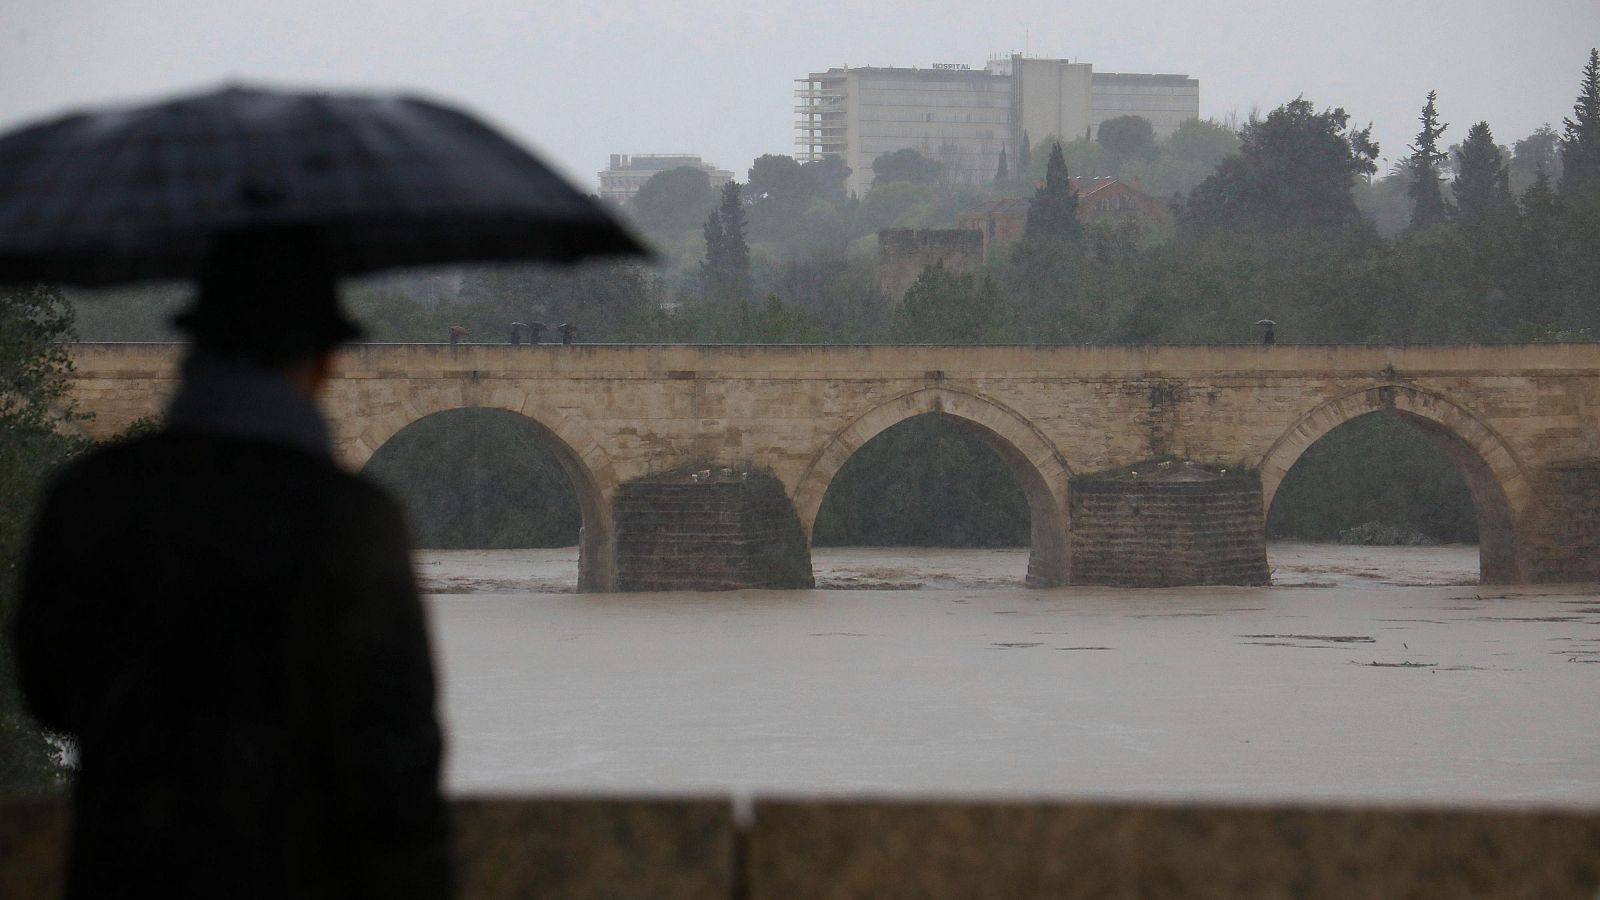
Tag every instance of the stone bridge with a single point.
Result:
(1522, 422)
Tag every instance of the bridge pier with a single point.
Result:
(1563, 540)
(1168, 523)
(708, 530)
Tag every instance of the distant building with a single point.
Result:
(1002, 221)
(629, 173)
(963, 116)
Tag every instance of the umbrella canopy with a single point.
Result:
(123, 195)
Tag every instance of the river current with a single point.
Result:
(1363, 675)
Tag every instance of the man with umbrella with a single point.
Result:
(225, 621)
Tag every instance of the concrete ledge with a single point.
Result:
(1010, 850)
(592, 848)
(589, 848)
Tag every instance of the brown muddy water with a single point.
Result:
(1363, 675)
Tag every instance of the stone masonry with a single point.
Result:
(1163, 522)
(903, 253)
(708, 532)
(1522, 422)
(1572, 522)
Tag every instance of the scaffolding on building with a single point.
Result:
(821, 122)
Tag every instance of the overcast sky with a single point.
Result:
(579, 79)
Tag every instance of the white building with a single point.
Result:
(628, 173)
(963, 116)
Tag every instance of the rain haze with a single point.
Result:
(975, 426)
(580, 81)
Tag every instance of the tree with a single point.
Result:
(1053, 215)
(943, 307)
(898, 204)
(725, 274)
(1294, 171)
(1482, 184)
(772, 322)
(1427, 200)
(905, 165)
(34, 368)
(1025, 155)
(1128, 138)
(673, 201)
(1185, 158)
(1580, 141)
(1538, 152)
(826, 178)
(1002, 172)
(1201, 141)
(777, 182)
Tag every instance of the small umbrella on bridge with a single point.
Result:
(377, 182)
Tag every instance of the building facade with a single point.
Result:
(963, 116)
(627, 173)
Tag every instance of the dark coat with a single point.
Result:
(231, 630)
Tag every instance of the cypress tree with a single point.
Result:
(725, 273)
(1053, 216)
(1024, 155)
(1580, 143)
(1427, 200)
(1001, 172)
(1482, 185)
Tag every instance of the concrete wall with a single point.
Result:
(1165, 101)
(1509, 415)
(1051, 97)
(567, 848)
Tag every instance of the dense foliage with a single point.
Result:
(923, 483)
(479, 478)
(33, 383)
(1373, 469)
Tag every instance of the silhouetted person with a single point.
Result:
(516, 333)
(568, 332)
(1268, 336)
(535, 332)
(228, 625)
(457, 332)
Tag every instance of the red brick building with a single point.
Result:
(1002, 221)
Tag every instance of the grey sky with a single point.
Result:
(578, 80)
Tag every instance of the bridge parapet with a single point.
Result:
(567, 847)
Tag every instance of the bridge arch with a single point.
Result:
(1495, 478)
(1033, 460)
(585, 462)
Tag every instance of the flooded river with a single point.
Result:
(1364, 674)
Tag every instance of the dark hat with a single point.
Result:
(268, 294)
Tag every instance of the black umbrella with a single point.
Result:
(123, 195)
